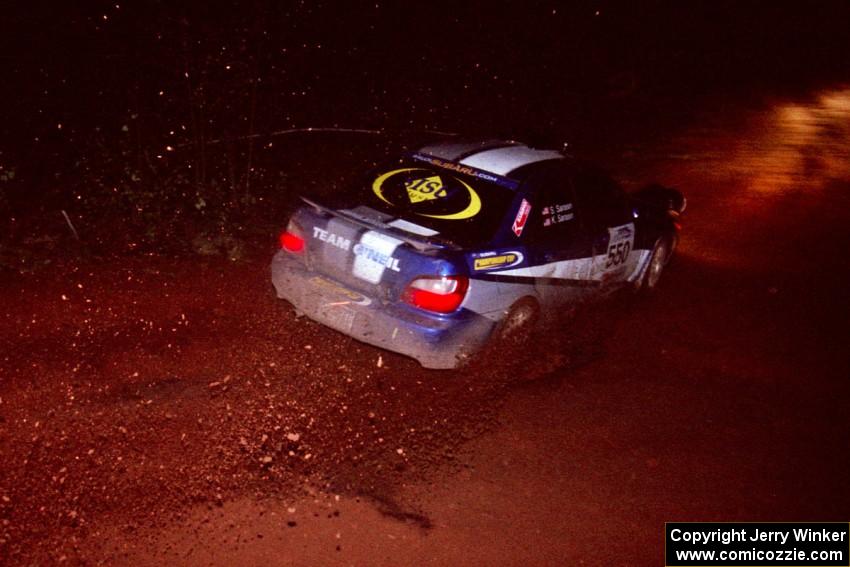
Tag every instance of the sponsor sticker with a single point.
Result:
(331, 238)
(374, 252)
(494, 261)
(521, 217)
(425, 189)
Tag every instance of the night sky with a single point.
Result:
(445, 66)
(103, 94)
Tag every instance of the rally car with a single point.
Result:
(460, 243)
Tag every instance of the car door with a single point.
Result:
(560, 248)
(607, 218)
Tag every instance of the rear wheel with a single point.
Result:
(519, 322)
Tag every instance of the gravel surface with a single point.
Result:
(131, 391)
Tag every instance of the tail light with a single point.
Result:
(439, 294)
(292, 239)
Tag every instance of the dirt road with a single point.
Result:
(171, 411)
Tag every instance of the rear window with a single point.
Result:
(459, 206)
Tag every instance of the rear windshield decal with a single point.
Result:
(425, 189)
(423, 193)
(467, 170)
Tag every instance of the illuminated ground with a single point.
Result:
(172, 412)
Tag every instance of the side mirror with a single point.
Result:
(661, 197)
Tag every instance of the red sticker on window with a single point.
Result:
(521, 217)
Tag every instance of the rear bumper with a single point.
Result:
(434, 341)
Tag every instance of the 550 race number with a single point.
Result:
(617, 253)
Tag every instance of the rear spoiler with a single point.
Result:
(421, 243)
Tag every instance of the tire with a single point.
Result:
(655, 265)
(518, 324)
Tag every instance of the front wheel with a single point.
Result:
(657, 260)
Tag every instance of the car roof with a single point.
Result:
(500, 157)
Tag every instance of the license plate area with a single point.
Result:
(342, 293)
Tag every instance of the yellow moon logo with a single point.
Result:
(470, 211)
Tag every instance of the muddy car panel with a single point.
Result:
(427, 255)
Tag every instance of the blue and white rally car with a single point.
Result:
(460, 243)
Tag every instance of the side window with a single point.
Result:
(601, 199)
(553, 218)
